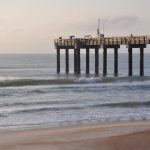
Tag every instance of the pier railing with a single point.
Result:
(83, 42)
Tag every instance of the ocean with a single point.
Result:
(33, 95)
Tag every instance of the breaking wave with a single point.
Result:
(32, 82)
(88, 80)
(83, 80)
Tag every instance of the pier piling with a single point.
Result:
(67, 61)
(105, 61)
(87, 61)
(75, 61)
(58, 61)
(141, 61)
(96, 60)
(116, 61)
(78, 61)
(130, 60)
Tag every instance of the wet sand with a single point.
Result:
(120, 136)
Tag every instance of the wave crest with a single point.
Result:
(88, 80)
(31, 82)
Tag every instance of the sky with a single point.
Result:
(30, 26)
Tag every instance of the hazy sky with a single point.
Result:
(30, 26)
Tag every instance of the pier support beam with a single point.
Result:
(67, 61)
(87, 61)
(78, 61)
(116, 61)
(130, 61)
(97, 61)
(58, 61)
(141, 61)
(75, 61)
(105, 62)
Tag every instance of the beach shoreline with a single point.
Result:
(112, 136)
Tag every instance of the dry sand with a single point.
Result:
(124, 136)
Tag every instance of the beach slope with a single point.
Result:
(122, 136)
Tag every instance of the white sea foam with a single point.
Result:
(4, 78)
(88, 80)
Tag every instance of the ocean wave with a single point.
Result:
(32, 82)
(35, 82)
(120, 81)
(42, 109)
(100, 79)
(67, 108)
(40, 103)
(4, 78)
(125, 104)
(3, 116)
(88, 80)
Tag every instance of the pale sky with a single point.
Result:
(30, 26)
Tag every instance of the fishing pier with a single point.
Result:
(97, 44)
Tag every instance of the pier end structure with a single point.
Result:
(104, 43)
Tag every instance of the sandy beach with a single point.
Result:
(121, 136)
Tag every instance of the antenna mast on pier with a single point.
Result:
(98, 29)
(103, 28)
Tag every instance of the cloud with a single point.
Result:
(123, 21)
